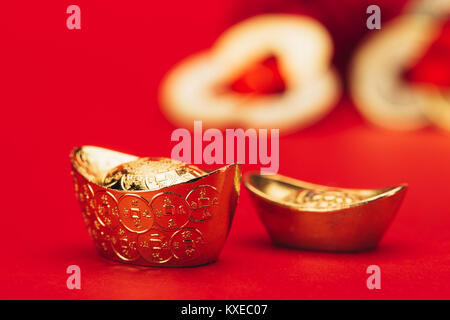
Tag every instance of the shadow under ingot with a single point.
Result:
(314, 217)
(154, 211)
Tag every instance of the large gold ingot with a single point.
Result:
(154, 211)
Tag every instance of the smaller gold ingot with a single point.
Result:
(309, 216)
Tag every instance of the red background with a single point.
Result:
(98, 85)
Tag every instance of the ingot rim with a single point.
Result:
(379, 192)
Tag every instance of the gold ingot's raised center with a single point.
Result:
(150, 174)
(325, 199)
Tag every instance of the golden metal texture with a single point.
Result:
(308, 216)
(154, 211)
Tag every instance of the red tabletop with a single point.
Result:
(98, 86)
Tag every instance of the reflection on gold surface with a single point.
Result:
(305, 215)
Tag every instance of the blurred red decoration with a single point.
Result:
(261, 78)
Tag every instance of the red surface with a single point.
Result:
(98, 85)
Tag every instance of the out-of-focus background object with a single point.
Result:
(431, 73)
(345, 20)
(399, 77)
(291, 84)
(261, 73)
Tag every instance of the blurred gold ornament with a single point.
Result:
(438, 110)
(377, 85)
(309, 216)
(436, 8)
(194, 89)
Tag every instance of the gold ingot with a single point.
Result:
(154, 211)
(309, 216)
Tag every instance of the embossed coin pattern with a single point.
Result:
(325, 199)
(136, 236)
(76, 185)
(187, 243)
(171, 210)
(149, 174)
(203, 200)
(154, 246)
(106, 209)
(101, 236)
(124, 244)
(134, 213)
(85, 194)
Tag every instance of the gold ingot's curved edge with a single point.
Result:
(214, 232)
(98, 161)
(351, 228)
(368, 195)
